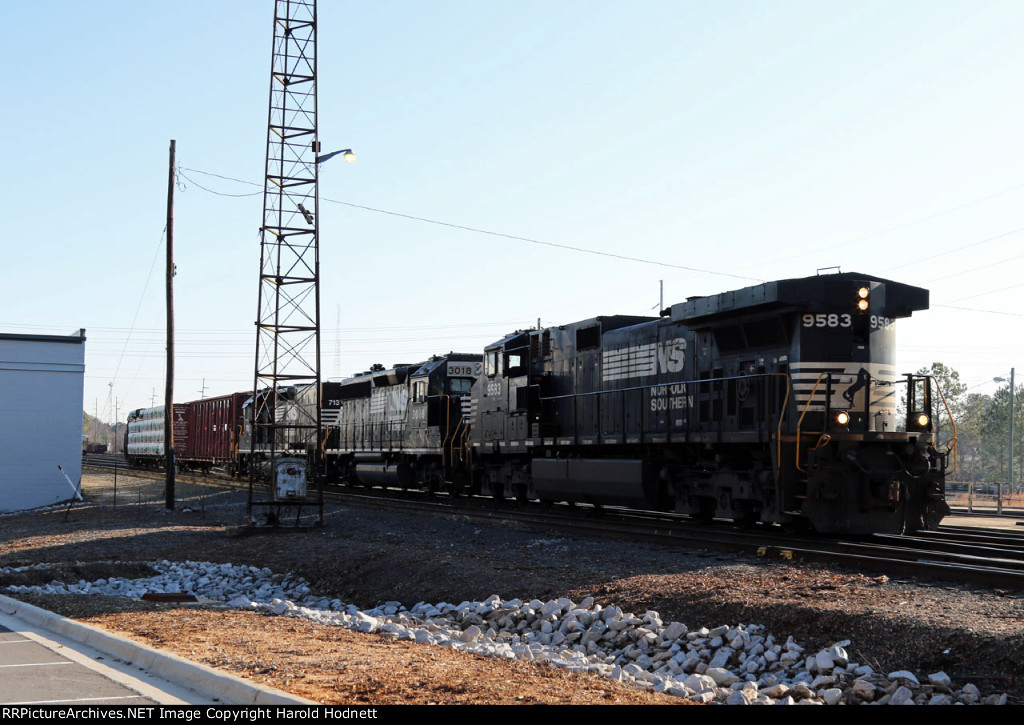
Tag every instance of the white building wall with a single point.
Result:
(41, 388)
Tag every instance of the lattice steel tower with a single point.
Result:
(288, 321)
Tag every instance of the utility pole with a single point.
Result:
(169, 385)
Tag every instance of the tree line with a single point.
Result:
(102, 433)
(981, 425)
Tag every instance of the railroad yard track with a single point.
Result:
(980, 556)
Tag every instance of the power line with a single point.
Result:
(975, 269)
(222, 332)
(960, 248)
(488, 232)
(211, 191)
(896, 227)
(990, 292)
(547, 244)
(135, 316)
(990, 312)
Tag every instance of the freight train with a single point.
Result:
(775, 403)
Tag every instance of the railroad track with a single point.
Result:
(980, 556)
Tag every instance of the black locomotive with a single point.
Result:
(774, 403)
(404, 427)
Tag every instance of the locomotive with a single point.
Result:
(775, 403)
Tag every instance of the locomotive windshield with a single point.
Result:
(460, 386)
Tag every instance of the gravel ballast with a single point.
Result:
(739, 665)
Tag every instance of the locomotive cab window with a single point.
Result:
(729, 339)
(588, 337)
(515, 364)
(460, 386)
(492, 363)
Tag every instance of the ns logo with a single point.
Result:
(644, 360)
(671, 355)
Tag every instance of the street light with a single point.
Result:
(348, 154)
(1009, 462)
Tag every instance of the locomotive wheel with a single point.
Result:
(704, 509)
(797, 527)
(749, 517)
(456, 486)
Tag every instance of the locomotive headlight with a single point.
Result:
(863, 293)
(862, 305)
(922, 420)
(862, 299)
(842, 418)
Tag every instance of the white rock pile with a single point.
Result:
(735, 665)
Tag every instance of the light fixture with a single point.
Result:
(842, 418)
(922, 420)
(862, 301)
(348, 154)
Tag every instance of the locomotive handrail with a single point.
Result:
(690, 382)
(464, 446)
(800, 421)
(454, 439)
(951, 447)
(447, 426)
(778, 429)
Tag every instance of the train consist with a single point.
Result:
(775, 403)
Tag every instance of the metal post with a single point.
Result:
(169, 384)
(1009, 461)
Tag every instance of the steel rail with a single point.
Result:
(979, 556)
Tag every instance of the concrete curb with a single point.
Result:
(219, 687)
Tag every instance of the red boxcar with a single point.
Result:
(214, 425)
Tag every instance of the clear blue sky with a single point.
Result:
(747, 140)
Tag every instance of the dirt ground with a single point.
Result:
(366, 557)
